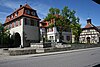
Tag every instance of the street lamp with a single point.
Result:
(43, 35)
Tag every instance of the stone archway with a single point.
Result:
(88, 39)
(17, 40)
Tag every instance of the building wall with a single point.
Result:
(31, 33)
(54, 36)
(92, 34)
(28, 33)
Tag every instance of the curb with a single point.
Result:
(44, 54)
(62, 52)
(54, 53)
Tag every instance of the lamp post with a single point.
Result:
(43, 37)
(55, 34)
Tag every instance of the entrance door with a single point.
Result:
(17, 40)
(88, 39)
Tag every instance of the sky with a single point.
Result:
(84, 8)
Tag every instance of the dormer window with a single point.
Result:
(33, 13)
(9, 17)
(28, 11)
(12, 16)
(16, 14)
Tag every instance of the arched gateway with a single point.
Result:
(17, 40)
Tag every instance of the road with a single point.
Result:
(75, 59)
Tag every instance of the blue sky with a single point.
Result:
(84, 8)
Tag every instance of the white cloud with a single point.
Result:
(3, 16)
(42, 9)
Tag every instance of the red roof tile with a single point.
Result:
(89, 25)
(21, 12)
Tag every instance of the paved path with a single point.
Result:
(83, 58)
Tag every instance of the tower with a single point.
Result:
(23, 25)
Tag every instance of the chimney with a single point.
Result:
(20, 5)
(88, 21)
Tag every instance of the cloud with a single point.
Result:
(3, 16)
(42, 9)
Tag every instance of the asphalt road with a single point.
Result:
(87, 58)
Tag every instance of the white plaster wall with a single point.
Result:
(31, 32)
(18, 29)
(55, 32)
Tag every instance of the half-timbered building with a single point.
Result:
(90, 33)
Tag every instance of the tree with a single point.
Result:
(66, 21)
(4, 36)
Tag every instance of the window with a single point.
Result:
(33, 13)
(12, 16)
(28, 21)
(16, 23)
(32, 22)
(13, 25)
(88, 30)
(9, 18)
(9, 26)
(51, 37)
(68, 38)
(62, 38)
(50, 29)
(25, 21)
(28, 11)
(35, 22)
(16, 14)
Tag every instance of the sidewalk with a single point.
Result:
(42, 54)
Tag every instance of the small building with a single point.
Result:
(90, 33)
(52, 34)
(23, 25)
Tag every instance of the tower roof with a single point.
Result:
(21, 12)
(89, 24)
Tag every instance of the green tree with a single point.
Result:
(66, 21)
(4, 36)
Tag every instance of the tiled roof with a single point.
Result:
(21, 12)
(89, 25)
